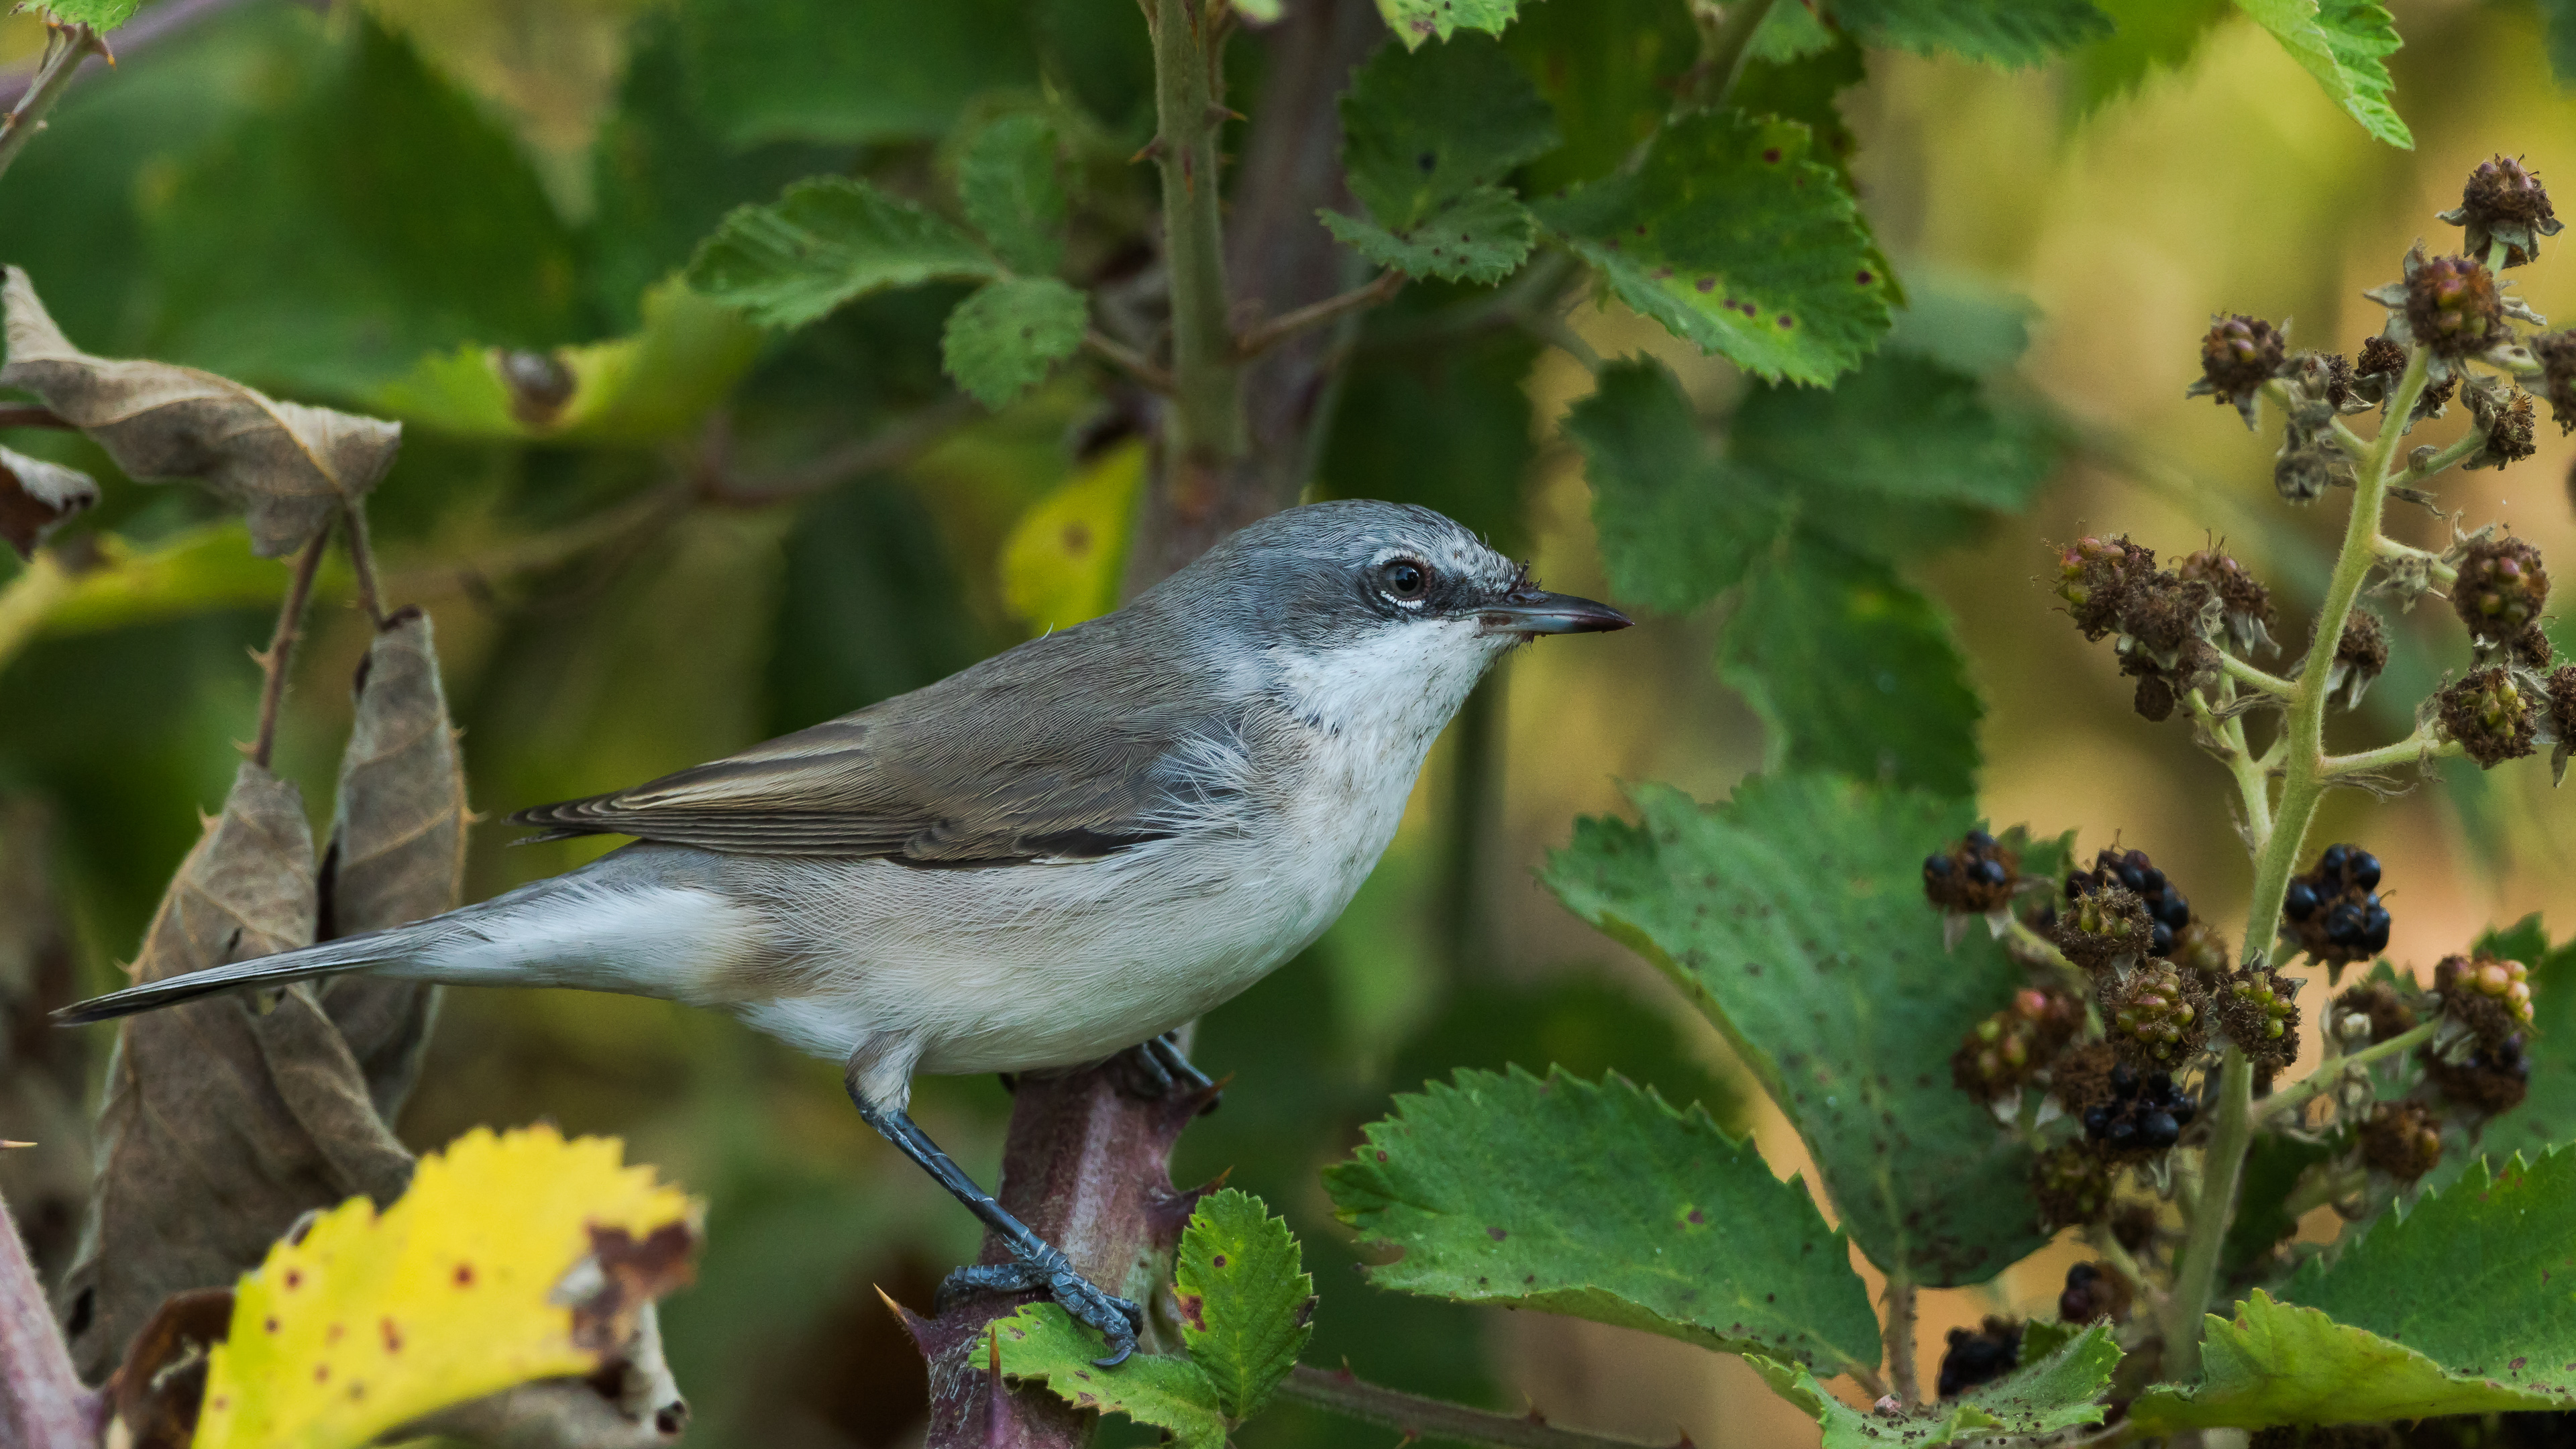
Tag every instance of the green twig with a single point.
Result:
(2261, 680)
(2303, 782)
(1207, 421)
(2335, 1070)
(2226, 741)
(2423, 745)
(1332, 309)
(66, 46)
(2391, 549)
(1417, 1417)
(1726, 40)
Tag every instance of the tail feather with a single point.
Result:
(331, 958)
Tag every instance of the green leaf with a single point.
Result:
(2017, 33)
(1737, 240)
(1852, 670)
(2281, 1364)
(826, 241)
(1677, 522)
(1480, 237)
(1793, 917)
(1578, 1025)
(1415, 21)
(654, 384)
(1004, 339)
(99, 15)
(1603, 1203)
(1245, 1300)
(1008, 184)
(2148, 36)
(2560, 17)
(1787, 33)
(1041, 1343)
(2479, 1276)
(1422, 131)
(2345, 44)
(1608, 69)
(1903, 427)
(2056, 1393)
(854, 72)
(1803, 88)
(2272, 1171)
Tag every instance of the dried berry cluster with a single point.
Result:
(2402, 1139)
(2258, 1010)
(2165, 619)
(2488, 1079)
(2155, 1015)
(1974, 877)
(2333, 912)
(2376, 1004)
(2006, 1051)
(2489, 715)
(2504, 203)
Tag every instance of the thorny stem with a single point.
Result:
(2335, 1070)
(1207, 417)
(66, 46)
(1908, 1385)
(2043, 949)
(2353, 444)
(1332, 309)
(281, 645)
(1127, 360)
(1417, 1417)
(2303, 782)
(362, 562)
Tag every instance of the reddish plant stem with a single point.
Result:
(281, 646)
(42, 1403)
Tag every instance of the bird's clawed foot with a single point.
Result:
(1050, 1272)
(1154, 1070)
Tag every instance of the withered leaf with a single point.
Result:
(206, 1138)
(289, 467)
(157, 1390)
(397, 849)
(36, 495)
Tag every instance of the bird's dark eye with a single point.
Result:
(1404, 579)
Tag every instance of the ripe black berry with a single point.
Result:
(2490, 716)
(2402, 1139)
(2142, 1116)
(1979, 1358)
(1973, 877)
(2333, 912)
(2094, 1291)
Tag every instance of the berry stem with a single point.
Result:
(2416, 748)
(2443, 459)
(2303, 782)
(2353, 444)
(2225, 740)
(2497, 251)
(1901, 1374)
(2107, 1244)
(2253, 678)
(2333, 1071)
(2039, 947)
(2389, 548)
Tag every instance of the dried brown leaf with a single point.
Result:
(397, 849)
(43, 1072)
(208, 1147)
(156, 1391)
(289, 467)
(36, 495)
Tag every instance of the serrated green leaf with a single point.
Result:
(2479, 1276)
(1793, 917)
(1420, 131)
(1787, 33)
(2345, 44)
(1803, 88)
(1603, 1203)
(826, 241)
(2018, 33)
(1480, 237)
(1962, 325)
(1004, 339)
(1677, 522)
(660, 381)
(1009, 187)
(1852, 670)
(1736, 239)
(1903, 427)
(2054, 1393)
(2277, 1363)
(854, 72)
(2147, 36)
(1415, 21)
(1042, 1343)
(1245, 1299)
(2560, 18)
(99, 15)
(1608, 69)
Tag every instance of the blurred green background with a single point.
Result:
(315, 200)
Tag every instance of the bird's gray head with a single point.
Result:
(1377, 613)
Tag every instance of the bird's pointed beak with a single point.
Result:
(1530, 612)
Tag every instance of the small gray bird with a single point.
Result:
(1059, 854)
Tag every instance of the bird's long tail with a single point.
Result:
(331, 958)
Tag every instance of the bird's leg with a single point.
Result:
(1156, 1069)
(1035, 1263)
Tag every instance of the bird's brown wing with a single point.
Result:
(987, 767)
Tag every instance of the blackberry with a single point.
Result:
(1973, 877)
(2143, 1116)
(2237, 356)
(2134, 1227)
(2502, 587)
(2506, 415)
(2258, 1011)
(2246, 603)
(2557, 354)
(2333, 912)
(2490, 1080)
(2167, 910)
(2094, 1291)
(2402, 1139)
(2097, 576)
(2378, 1003)
(2503, 202)
(2104, 923)
(2071, 1185)
(2157, 1017)
(1979, 1358)
(2491, 997)
(2005, 1051)
(2489, 716)
(2452, 306)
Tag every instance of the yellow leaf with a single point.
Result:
(1062, 562)
(510, 1258)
